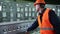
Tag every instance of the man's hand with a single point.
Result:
(26, 32)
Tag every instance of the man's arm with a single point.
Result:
(54, 21)
(34, 26)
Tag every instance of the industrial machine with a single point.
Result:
(15, 18)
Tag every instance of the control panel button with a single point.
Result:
(4, 30)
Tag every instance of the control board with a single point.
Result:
(14, 27)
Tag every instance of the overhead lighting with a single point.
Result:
(53, 9)
(0, 8)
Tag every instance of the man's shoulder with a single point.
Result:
(51, 11)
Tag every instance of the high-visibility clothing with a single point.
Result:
(45, 26)
(39, 1)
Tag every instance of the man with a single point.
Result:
(47, 20)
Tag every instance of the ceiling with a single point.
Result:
(48, 1)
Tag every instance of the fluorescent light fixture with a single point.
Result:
(0, 8)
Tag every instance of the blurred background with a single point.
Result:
(17, 15)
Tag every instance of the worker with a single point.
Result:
(47, 20)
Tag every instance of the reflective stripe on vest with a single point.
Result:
(46, 29)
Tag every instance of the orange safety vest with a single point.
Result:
(45, 26)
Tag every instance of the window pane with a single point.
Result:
(26, 9)
(11, 14)
(33, 14)
(58, 11)
(18, 14)
(21, 9)
(29, 14)
(26, 14)
(11, 9)
(29, 9)
(4, 14)
(18, 9)
(33, 9)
